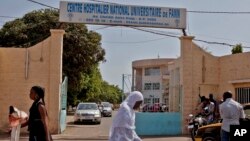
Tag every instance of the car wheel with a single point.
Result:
(209, 139)
(99, 122)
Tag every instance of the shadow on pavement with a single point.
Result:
(81, 123)
(62, 138)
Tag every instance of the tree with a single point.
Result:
(29, 30)
(237, 49)
(97, 90)
(82, 49)
(112, 93)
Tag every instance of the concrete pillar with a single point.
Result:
(186, 73)
(55, 79)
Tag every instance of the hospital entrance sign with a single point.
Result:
(122, 15)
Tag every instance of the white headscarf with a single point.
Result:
(125, 116)
(133, 97)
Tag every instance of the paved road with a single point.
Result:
(100, 132)
(88, 130)
(93, 132)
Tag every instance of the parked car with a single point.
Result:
(211, 132)
(100, 106)
(107, 109)
(87, 112)
(112, 106)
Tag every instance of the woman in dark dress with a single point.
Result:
(38, 118)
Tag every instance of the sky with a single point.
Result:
(124, 45)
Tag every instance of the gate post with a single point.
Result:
(63, 105)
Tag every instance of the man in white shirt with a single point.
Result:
(231, 112)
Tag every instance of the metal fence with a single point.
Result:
(154, 106)
(243, 95)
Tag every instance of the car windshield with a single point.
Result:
(106, 104)
(87, 107)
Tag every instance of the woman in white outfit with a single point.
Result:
(123, 127)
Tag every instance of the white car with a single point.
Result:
(87, 112)
(107, 109)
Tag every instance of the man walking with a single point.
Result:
(231, 112)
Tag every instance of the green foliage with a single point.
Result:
(29, 30)
(111, 93)
(97, 90)
(81, 55)
(237, 49)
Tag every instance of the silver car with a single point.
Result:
(87, 112)
(107, 109)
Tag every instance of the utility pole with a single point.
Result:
(124, 82)
(123, 76)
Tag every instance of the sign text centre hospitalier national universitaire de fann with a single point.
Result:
(127, 15)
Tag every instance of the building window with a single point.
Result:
(152, 71)
(147, 86)
(151, 100)
(151, 86)
(147, 100)
(243, 95)
(156, 100)
(156, 86)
